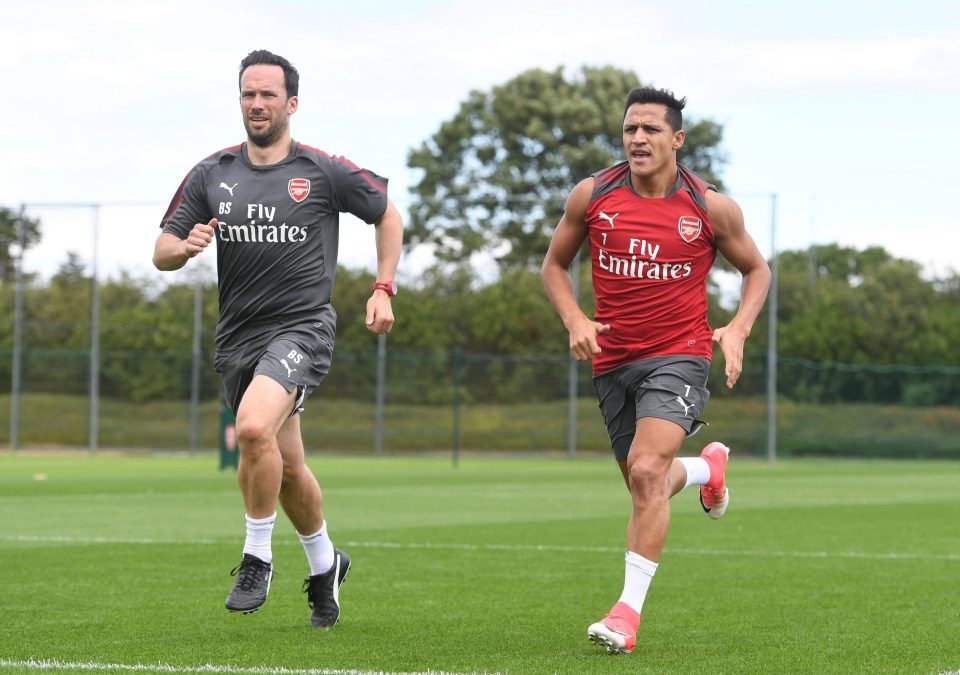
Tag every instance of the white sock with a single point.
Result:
(259, 536)
(319, 550)
(698, 471)
(636, 580)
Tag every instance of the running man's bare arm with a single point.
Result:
(389, 239)
(737, 246)
(555, 272)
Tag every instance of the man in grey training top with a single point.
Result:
(273, 205)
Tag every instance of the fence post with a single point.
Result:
(95, 335)
(195, 367)
(17, 338)
(455, 447)
(380, 394)
(772, 338)
(572, 407)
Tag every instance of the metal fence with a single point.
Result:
(391, 400)
(383, 399)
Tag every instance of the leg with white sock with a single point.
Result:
(650, 472)
(696, 471)
(260, 537)
(302, 501)
(637, 576)
(301, 497)
(319, 550)
(260, 415)
(653, 476)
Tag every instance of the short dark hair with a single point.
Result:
(261, 57)
(663, 96)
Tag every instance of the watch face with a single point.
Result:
(393, 288)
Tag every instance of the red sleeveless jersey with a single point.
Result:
(650, 261)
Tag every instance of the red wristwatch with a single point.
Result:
(390, 286)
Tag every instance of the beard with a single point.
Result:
(266, 138)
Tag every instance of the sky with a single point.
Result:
(847, 112)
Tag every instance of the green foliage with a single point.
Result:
(145, 335)
(494, 178)
(844, 316)
(513, 316)
(839, 305)
(702, 152)
(449, 306)
(12, 238)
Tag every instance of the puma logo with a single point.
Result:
(228, 188)
(609, 218)
(686, 408)
(291, 371)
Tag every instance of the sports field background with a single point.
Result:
(55, 421)
(820, 566)
(144, 368)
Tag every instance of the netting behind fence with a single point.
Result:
(111, 377)
(435, 401)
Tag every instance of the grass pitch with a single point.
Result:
(120, 564)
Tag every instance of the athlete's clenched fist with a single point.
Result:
(199, 238)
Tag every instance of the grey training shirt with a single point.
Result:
(277, 233)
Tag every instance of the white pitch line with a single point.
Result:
(119, 495)
(679, 551)
(952, 557)
(530, 548)
(52, 664)
(150, 541)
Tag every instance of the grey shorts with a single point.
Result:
(297, 357)
(671, 388)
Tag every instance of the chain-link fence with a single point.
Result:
(450, 401)
(112, 378)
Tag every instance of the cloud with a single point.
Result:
(21, 47)
(917, 62)
(121, 99)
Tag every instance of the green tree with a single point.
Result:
(146, 338)
(495, 177)
(943, 337)
(513, 316)
(58, 314)
(859, 306)
(864, 309)
(10, 235)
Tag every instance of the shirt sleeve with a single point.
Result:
(189, 205)
(358, 191)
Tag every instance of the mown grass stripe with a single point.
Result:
(92, 666)
(531, 548)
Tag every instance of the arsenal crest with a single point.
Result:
(298, 188)
(689, 228)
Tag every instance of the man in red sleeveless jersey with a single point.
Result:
(654, 229)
